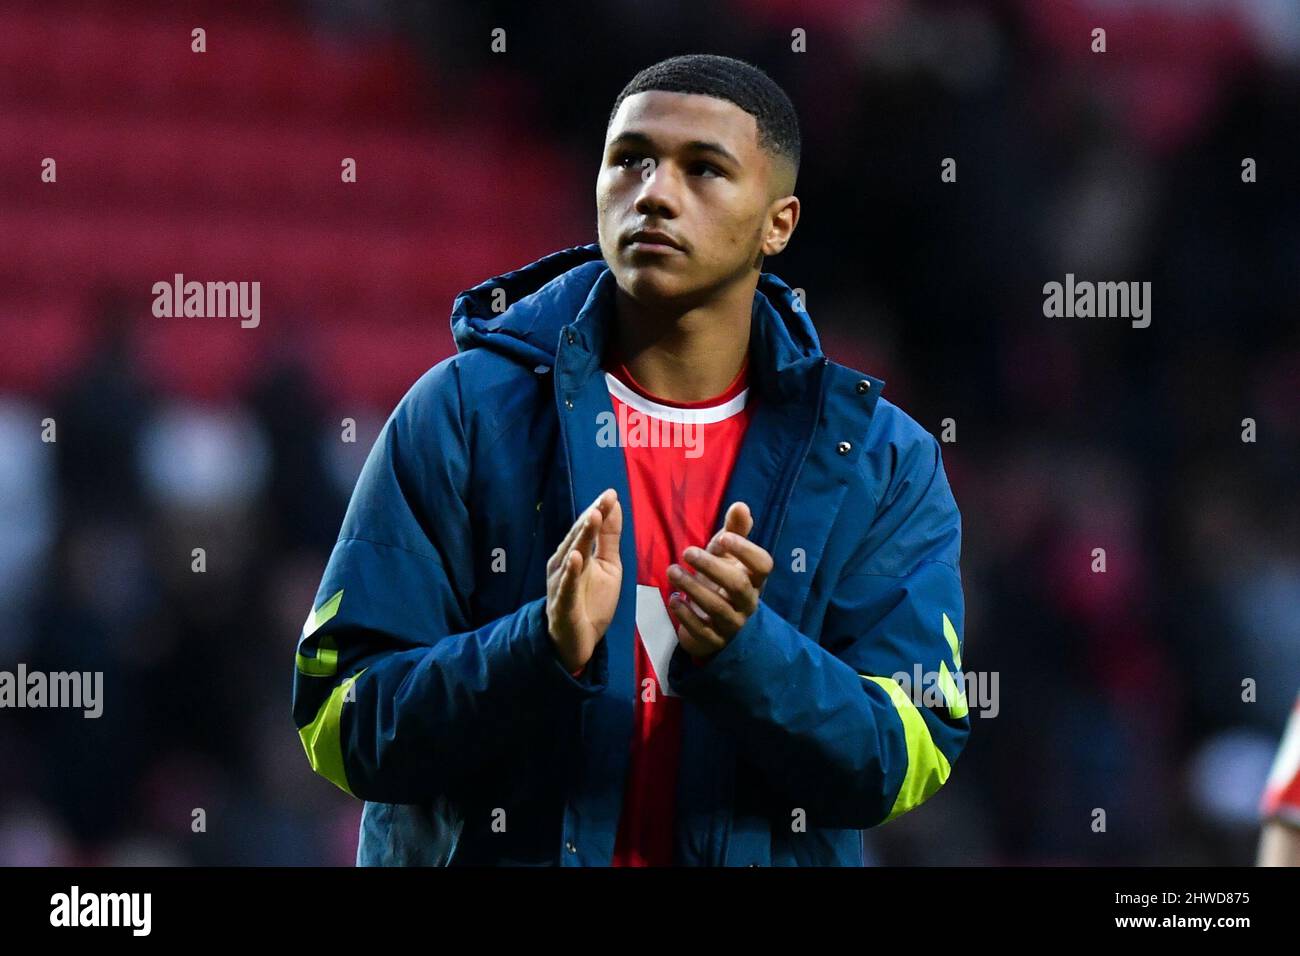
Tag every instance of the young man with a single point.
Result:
(625, 581)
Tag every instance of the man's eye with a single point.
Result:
(709, 168)
(627, 158)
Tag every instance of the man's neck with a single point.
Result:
(686, 356)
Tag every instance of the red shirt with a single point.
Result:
(679, 457)
(1281, 799)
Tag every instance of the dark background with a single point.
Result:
(1120, 691)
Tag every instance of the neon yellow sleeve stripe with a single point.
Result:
(321, 738)
(324, 664)
(949, 633)
(322, 614)
(927, 767)
(954, 695)
(326, 661)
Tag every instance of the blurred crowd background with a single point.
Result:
(1121, 691)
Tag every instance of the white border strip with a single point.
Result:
(687, 416)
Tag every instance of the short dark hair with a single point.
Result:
(729, 79)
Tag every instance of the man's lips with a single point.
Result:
(652, 241)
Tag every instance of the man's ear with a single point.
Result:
(784, 218)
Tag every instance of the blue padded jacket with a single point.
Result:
(426, 684)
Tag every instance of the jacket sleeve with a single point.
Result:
(828, 723)
(397, 696)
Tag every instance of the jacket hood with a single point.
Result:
(543, 297)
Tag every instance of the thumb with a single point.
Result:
(738, 521)
(611, 530)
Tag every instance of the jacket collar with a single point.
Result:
(558, 312)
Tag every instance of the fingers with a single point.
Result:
(602, 503)
(568, 544)
(756, 560)
(587, 535)
(730, 569)
(566, 593)
(730, 575)
(713, 548)
(611, 529)
(694, 633)
(722, 615)
(565, 545)
(738, 520)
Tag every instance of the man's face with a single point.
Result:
(689, 166)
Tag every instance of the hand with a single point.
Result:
(582, 587)
(724, 593)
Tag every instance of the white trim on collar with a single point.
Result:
(687, 416)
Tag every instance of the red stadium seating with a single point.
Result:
(226, 166)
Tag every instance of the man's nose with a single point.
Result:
(658, 193)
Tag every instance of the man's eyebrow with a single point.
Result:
(695, 145)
